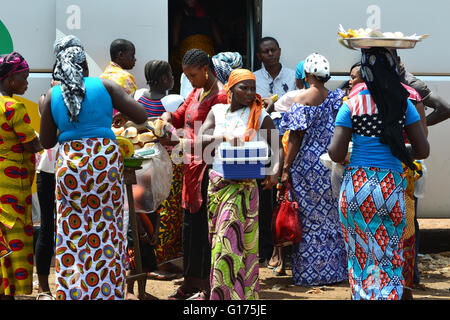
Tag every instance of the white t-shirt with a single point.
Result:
(266, 86)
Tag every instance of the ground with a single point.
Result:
(434, 266)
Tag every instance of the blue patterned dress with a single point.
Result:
(320, 258)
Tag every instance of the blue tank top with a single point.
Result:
(94, 119)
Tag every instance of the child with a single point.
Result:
(122, 58)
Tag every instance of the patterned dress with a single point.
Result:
(90, 240)
(233, 232)
(372, 207)
(320, 258)
(171, 220)
(16, 176)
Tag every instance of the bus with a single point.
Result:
(301, 27)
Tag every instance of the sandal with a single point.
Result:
(45, 296)
(157, 275)
(278, 273)
(178, 294)
(198, 296)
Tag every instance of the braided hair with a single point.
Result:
(154, 70)
(197, 58)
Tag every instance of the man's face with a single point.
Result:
(269, 53)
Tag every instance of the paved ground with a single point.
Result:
(434, 265)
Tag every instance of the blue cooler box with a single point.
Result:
(243, 162)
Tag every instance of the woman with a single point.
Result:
(45, 243)
(372, 197)
(18, 144)
(410, 176)
(233, 204)
(90, 239)
(320, 257)
(159, 77)
(207, 92)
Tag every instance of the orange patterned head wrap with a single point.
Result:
(237, 76)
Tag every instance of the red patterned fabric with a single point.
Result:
(190, 116)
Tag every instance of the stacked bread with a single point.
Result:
(140, 135)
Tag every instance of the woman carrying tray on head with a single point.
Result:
(233, 204)
(372, 197)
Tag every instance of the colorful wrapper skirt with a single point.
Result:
(373, 216)
(16, 267)
(171, 220)
(233, 231)
(90, 240)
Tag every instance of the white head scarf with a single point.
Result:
(317, 65)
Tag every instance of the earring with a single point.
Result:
(206, 75)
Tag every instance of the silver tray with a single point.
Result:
(363, 43)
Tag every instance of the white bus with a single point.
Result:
(301, 27)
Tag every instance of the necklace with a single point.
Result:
(204, 94)
(226, 125)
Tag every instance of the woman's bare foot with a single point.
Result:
(131, 296)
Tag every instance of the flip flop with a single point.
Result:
(198, 296)
(160, 276)
(178, 294)
(278, 273)
(45, 296)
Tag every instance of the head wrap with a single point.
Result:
(237, 76)
(318, 66)
(68, 70)
(300, 73)
(222, 70)
(12, 63)
(300, 70)
(233, 59)
(379, 71)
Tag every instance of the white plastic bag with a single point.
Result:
(154, 180)
(337, 176)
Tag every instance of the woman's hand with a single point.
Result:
(233, 140)
(285, 177)
(268, 104)
(119, 120)
(270, 182)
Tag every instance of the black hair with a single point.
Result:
(120, 45)
(197, 58)
(155, 69)
(264, 39)
(5, 67)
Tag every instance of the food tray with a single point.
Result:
(364, 43)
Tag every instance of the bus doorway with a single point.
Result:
(213, 26)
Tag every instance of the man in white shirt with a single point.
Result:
(272, 78)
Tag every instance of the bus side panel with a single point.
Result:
(32, 30)
(97, 23)
(304, 27)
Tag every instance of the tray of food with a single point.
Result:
(368, 38)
